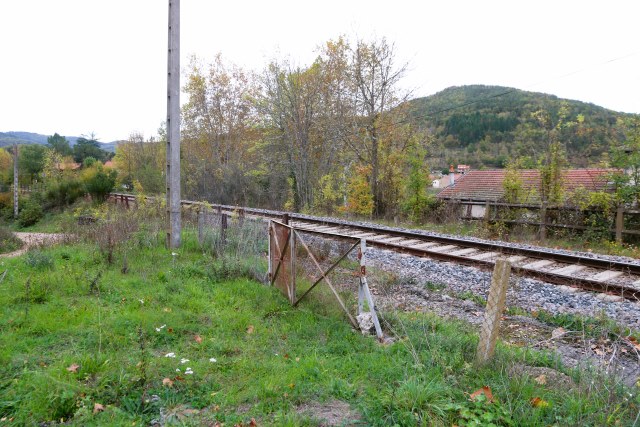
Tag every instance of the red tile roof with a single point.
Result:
(487, 184)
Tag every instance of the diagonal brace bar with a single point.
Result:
(325, 278)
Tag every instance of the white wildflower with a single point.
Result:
(213, 360)
(184, 360)
(188, 371)
(172, 355)
(161, 328)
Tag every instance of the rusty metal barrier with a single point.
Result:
(283, 246)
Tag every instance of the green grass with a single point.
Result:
(270, 357)
(8, 241)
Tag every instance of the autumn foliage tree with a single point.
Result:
(359, 197)
(219, 132)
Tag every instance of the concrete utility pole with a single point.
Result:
(15, 181)
(173, 127)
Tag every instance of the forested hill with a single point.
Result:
(9, 138)
(485, 126)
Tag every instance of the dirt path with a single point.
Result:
(33, 239)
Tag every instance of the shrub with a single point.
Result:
(8, 241)
(30, 214)
(64, 192)
(99, 183)
(6, 200)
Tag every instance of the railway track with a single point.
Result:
(615, 279)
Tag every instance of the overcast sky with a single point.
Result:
(81, 66)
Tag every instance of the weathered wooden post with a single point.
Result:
(270, 262)
(201, 224)
(223, 229)
(240, 217)
(543, 221)
(487, 214)
(495, 306)
(619, 223)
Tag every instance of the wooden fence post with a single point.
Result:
(619, 223)
(543, 221)
(270, 270)
(487, 213)
(223, 229)
(201, 225)
(493, 311)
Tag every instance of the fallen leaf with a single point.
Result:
(198, 339)
(558, 332)
(97, 408)
(599, 352)
(170, 330)
(253, 423)
(250, 329)
(292, 386)
(634, 342)
(542, 379)
(484, 390)
(73, 368)
(536, 402)
(167, 382)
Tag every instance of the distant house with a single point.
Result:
(484, 186)
(109, 164)
(445, 180)
(65, 166)
(463, 168)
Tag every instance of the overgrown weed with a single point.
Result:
(251, 354)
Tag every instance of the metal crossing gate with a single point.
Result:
(283, 242)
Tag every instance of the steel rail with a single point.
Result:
(550, 277)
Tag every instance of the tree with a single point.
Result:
(514, 191)
(219, 132)
(417, 199)
(139, 160)
(374, 94)
(99, 182)
(88, 148)
(553, 160)
(360, 199)
(31, 161)
(59, 144)
(627, 157)
(6, 167)
(290, 101)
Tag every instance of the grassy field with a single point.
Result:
(187, 339)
